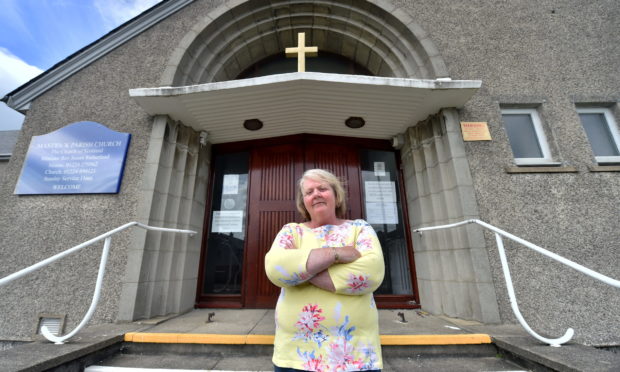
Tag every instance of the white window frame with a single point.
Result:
(540, 136)
(613, 129)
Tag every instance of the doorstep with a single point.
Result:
(256, 327)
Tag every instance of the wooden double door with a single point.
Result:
(273, 170)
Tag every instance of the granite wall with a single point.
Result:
(551, 56)
(33, 228)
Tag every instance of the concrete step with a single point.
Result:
(488, 364)
(155, 357)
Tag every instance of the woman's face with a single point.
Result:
(319, 198)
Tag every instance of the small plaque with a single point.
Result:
(475, 131)
(80, 158)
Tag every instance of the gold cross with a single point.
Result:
(301, 51)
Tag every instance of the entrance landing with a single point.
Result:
(256, 326)
(153, 344)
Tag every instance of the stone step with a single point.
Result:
(173, 363)
(196, 357)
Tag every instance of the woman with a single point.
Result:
(327, 267)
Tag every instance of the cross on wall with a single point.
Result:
(301, 51)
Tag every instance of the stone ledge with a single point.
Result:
(543, 169)
(604, 168)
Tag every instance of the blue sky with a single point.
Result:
(37, 34)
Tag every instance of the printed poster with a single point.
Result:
(227, 221)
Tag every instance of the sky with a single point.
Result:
(37, 34)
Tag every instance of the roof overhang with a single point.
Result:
(305, 102)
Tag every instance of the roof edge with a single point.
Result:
(20, 98)
(312, 76)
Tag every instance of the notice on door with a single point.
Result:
(227, 221)
(380, 191)
(380, 198)
(379, 168)
(381, 213)
(231, 184)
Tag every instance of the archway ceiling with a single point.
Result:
(380, 37)
(305, 102)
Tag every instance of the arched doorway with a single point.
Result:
(232, 39)
(253, 191)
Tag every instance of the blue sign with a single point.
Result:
(80, 158)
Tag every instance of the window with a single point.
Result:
(526, 136)
(384, 211)
(602, 132)
(223, 267)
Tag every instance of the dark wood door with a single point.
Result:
(274, 172)
(344, 162)
(235, 277)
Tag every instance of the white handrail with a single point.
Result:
(104, 259)
(513, 301)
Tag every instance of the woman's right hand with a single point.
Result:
(322, 258)
(347, 254)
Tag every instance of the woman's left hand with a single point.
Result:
(347, 254)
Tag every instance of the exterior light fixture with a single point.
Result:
(252, 124)
(355, 122)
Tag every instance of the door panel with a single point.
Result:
(276, 169)
(274, 172)
(344, 162)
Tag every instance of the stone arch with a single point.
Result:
(374, 34)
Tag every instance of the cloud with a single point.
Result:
(12, 18)
(13, 73)
(117, 12)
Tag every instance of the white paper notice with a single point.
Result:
(378, 213)
(380, 191)
(231, 184)
(379, 167)
(227, 221)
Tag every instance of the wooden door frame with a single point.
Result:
(237, 301)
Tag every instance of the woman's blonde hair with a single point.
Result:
(333, 181)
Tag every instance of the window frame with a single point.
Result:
(611, 125)
(546, 158)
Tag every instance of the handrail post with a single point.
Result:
(513, 301)
(58, 340)
(555, 342)
(104, 259)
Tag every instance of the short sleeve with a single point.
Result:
(365, 274)
(285, 263)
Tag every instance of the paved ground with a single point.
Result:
(261, 321)
(104, 344)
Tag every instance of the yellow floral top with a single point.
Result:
(317, 330)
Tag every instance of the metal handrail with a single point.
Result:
(568, 335)
(107, 237)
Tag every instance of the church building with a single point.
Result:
(431, 112)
